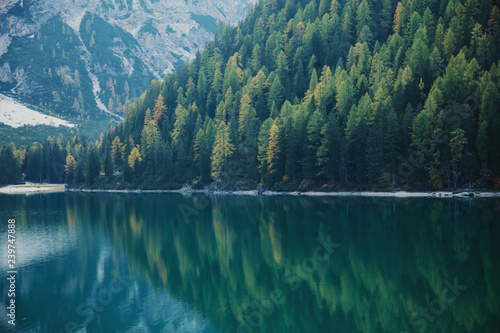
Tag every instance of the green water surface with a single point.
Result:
(92, 262)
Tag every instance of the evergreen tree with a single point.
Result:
(248, 123)
(201, 156)
(134, 158)
(263, 145)
(116, 153)
(329, 151)
(70, 169)
(159, 110)
(108, 163)
(375, 150)
(92, 164)
(273, 150)
(391, 140)
(276, 94)
(312, 143)
(292, 149)
(222, 150)
(167, 166)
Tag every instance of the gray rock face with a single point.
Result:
(117, 47)
(166, 30)
(5, 73)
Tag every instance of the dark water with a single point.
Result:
(190, 263)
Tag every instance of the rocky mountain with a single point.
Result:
(73, 57)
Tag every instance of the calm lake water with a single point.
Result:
(192, 263)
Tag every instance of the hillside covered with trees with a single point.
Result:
(308, 94)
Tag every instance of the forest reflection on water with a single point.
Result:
(191, 263)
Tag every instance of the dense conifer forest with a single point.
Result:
(305, 95)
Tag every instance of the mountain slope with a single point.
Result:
(117, 47)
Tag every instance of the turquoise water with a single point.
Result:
(191, 263)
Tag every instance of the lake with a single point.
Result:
(103, 262)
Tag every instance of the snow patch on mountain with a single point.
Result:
(15, 114)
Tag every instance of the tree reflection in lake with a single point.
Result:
(247, 263)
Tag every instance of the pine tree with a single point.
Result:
(76, 81)
(345, 94)
(363, 16)
(180, 125)
(450, 43)
(457, 145)
(158, 150)
(159, 110)
(190, 91)
(92, 164)
(70, 169)
(255, 62)
(329, 151)
(167, 166)
(126, 150)
(263, 144)
(202, 87)
(116, 153)
(436, 63)
(391, 140)
(126, 89)
(434, 175)
(80, 164)
(476, 34)
(273, 149)
(276, 94)
(80, 102)
(201, 156)
(418, 58)
(398, 19)
(248, 122)
(313, 81)
(76, 106)
(134, 158)
(110, 104)
(375, 150)
(108, 163)
(222, 150)
(181, 160)
(494, 26)
(323, 8)
(146, 134)
(292, 150)
(312, 144)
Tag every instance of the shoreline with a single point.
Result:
(34, 188)
(393, 194)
